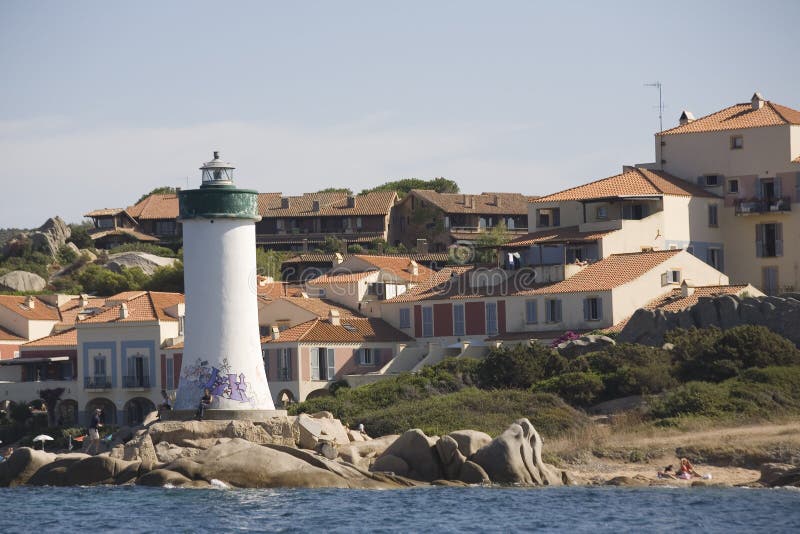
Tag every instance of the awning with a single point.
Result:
(24, 361)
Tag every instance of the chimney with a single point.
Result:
(305, 244)
(467, 202)
(333, 317)
(84, 300)
(285, 202)
(30, 302)
(497, 201)
(757, 101)
(338, 258)
(351, 201)
(686, 290)
(315, 206)
(123, 311)
(413, 268)
(422, 246)
(686, 117)
(275, 333)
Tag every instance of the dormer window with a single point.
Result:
(546, 217)
(711, 180)
(737, 142)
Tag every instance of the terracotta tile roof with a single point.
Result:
(148, 306)
(608, 273)
(156, 206)
(338, 278)
(104, 212)
(485, 203)
(351, 330)
(41, 311)
(67, 338)
(139, 236)
(330, 204)
(71, 309)
(740, 116)
(672, 300)
(557, 235)
(320, 307)
(7, 335)
(274, 290)
(400, 266)
(125, 296)
(439, 257)
(634, 181)
(450, 282)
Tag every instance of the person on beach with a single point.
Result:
(205, 402)
(94, 432)
(164, 405)
(667, 473)
(687, 470)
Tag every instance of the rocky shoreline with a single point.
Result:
(319, 452)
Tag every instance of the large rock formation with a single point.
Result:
(320, 428)
(584, 345)
(412, 455)
(51, 236)
(22, 281)
(779, 314)
(146, 262)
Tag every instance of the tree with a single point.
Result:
(345, 190)
(104, 282)
(80, 235)
(487, 242)
(163, 190)
(331, 245)
(402, 187)
(168, 278)
(268, 262)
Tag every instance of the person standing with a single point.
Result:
(94, 432)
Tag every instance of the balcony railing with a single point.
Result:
(97, 382)
(136, 381)
(763, 205)
(480, 229)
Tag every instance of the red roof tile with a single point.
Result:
(41, 311)
(351, 330)
(67, 338)
(400, 266)
(318, 306)
(330, 204)
(739, 116)
(338, 278)
(633, 182)
(156, 206)
(7, 335)
(148, 306)
(569, 234)
(485, 203)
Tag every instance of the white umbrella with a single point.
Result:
(42, 438)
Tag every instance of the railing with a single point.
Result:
(763, 205)
(479, 229)
(136, 381)
(97, 382)
(317, 236)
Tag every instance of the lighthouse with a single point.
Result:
(222, 349)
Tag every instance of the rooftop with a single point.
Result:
(569, 234)
(350, 330)
(632, 182)
(67, 338)
(271, 205)
(319, 307)
(156, 206)
(485, 203)
(740, 116)
(146, 306)
(41, 311)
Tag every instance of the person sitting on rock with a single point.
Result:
(164, 405)
(205, 402)
(667, 473)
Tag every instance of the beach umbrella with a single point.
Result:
(42, 438)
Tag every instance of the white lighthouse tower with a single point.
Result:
(222, 351)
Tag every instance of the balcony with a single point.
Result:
(750, 206)
(481, 229)
(136, 381)
(97, 382)
(290, 237)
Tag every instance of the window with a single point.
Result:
(737, 142)
(712, 215)
(548, 217)
(284, 364)
(427, 321)
(733, 186)
(405, 317)
(769, 240)
(491, 318)
(593, 309)
(530, 312)
(169, 380)
(714, 258)
(769, 276)
(16, 354)
(552, 309)
(365, 357)
(165, 228)
(322, 363)
(634, 211)
(674, 276)
(105, 223)
(458, 319)
(138, 375)
(100, 366)
(710, 180)
(602, 212)
(265, 357)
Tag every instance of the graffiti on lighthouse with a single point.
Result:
(221, 381)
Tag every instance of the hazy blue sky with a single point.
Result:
(103, 101)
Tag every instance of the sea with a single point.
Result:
(428, 509)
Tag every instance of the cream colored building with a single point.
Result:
(749, 154)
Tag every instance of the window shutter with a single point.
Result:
(759, 240)
(664, 279)
(289, 364)
(759, 190)
(645, 210)
(779, 239)
(721, 260)
(586, 310)
(701, 180)
(777, 187)
(557, 217)
(331, 364)
(314, 357)
(558, 311)
(599, 308)
(164, 371)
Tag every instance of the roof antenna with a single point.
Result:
(660, 105)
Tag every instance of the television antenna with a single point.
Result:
(657, 85)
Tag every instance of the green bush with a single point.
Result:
(694, 398)
(519, 367)
(66, 255)
(104, 282)
(578, 389)
(355, 248)
(168, 278)
(149, 248)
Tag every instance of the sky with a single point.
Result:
(100, 102)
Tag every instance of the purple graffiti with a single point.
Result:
(238, 389)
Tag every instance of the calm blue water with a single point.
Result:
(138, 509)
